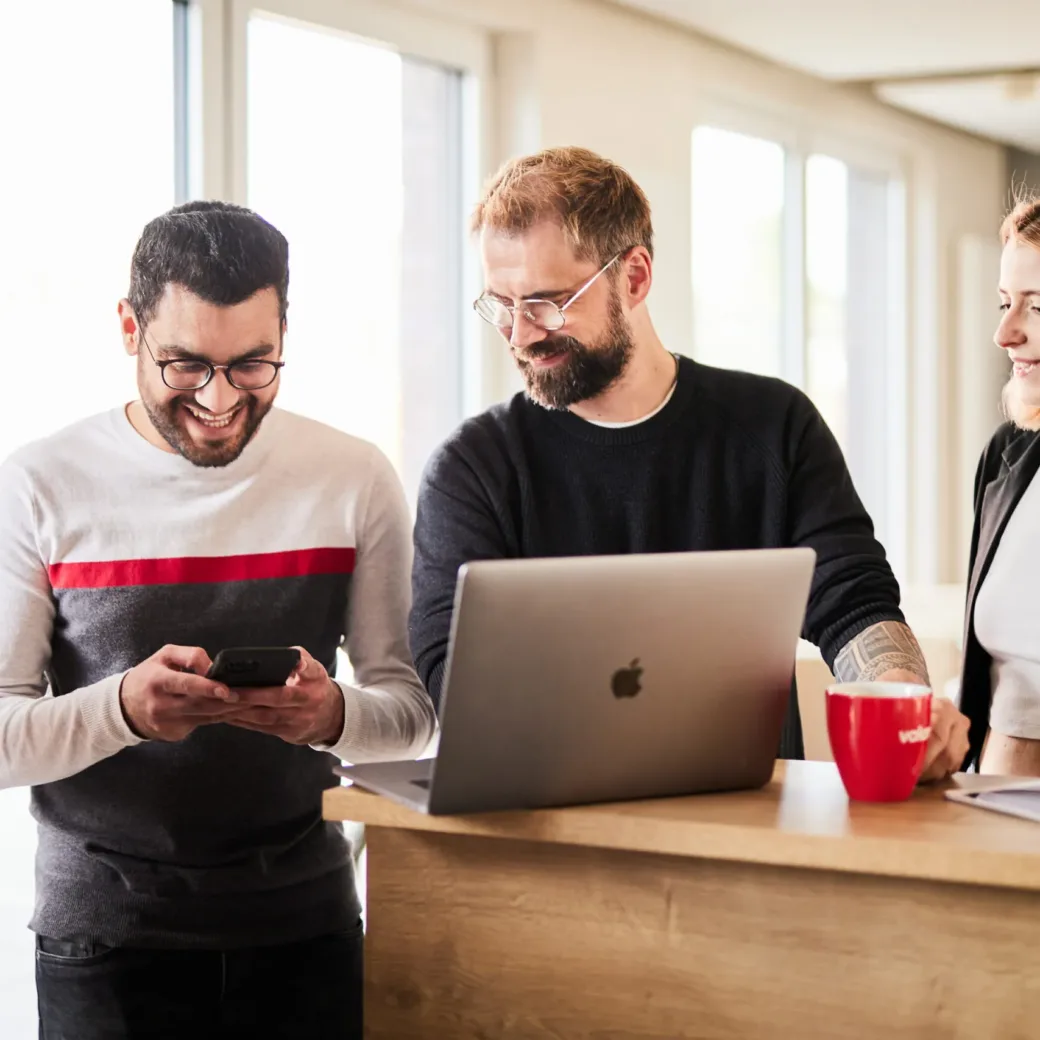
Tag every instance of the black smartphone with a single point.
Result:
(254, 665)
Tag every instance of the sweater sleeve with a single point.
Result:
(853, 586)
(387, 713)
(456, 522)
(42, 738)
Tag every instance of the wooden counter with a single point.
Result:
(785, 912)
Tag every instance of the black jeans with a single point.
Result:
(301, 991)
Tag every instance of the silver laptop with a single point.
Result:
(603, 678)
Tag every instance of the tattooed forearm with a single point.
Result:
(885, 647)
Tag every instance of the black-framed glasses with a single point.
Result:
(543, 314)
(194, 373)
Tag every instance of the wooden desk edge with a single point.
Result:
(915, 859)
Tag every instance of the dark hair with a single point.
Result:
(220, 252)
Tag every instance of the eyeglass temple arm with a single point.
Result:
(588, 284)
(512, 308)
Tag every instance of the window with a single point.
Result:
(353, 153)
(738, 208)
(89, 142)
(826, 270)
(796, 273)
(91, 159)
(854, 360)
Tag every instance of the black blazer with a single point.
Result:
(1008, 464)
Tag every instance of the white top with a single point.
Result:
(641, 419)
(95, 514)
(1007, 621)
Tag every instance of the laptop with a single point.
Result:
(604, 678)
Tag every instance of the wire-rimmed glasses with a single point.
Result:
(544, 314)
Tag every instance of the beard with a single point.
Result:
(169, 421)
(1024, 414)
(585, 371)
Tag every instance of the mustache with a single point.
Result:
(548, 347)
(247, 401)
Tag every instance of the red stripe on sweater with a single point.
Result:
(196, 570)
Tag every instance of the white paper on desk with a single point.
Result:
(1013, 797)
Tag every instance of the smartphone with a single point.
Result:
(254, 665)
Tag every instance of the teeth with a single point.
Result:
(216, 422)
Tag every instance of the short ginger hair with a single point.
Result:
(600, 208)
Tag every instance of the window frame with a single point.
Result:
(905, 516)
(221, 116)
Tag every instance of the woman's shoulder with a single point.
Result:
(1008, 444)
(1011, 448)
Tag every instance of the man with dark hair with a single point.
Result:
(621, 446)
(186, 883)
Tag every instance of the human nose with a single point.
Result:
(524, 331)
(218, 395)
(1009, 332)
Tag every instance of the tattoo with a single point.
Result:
(881, 648)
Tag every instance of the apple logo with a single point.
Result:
(625, 681)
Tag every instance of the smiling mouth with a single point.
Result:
(548, 360)
(545, 360)
(1024, 367)
(214, 422)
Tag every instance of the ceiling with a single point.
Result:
(1004, 108)
(941, 45)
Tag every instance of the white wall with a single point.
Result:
(631, 87)
(1023, 169)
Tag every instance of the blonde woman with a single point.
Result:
(1001, 677)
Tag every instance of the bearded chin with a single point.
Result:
(585, 372)
(167, 419)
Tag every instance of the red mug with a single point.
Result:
(879, 734)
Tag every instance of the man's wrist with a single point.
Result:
(879, 653)
(126, 715)
(335, 730)
(904, 675)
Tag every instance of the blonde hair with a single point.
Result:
(601, 209)
(1023, 224)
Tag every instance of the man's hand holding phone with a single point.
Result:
(167, 695)
(308, 709)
